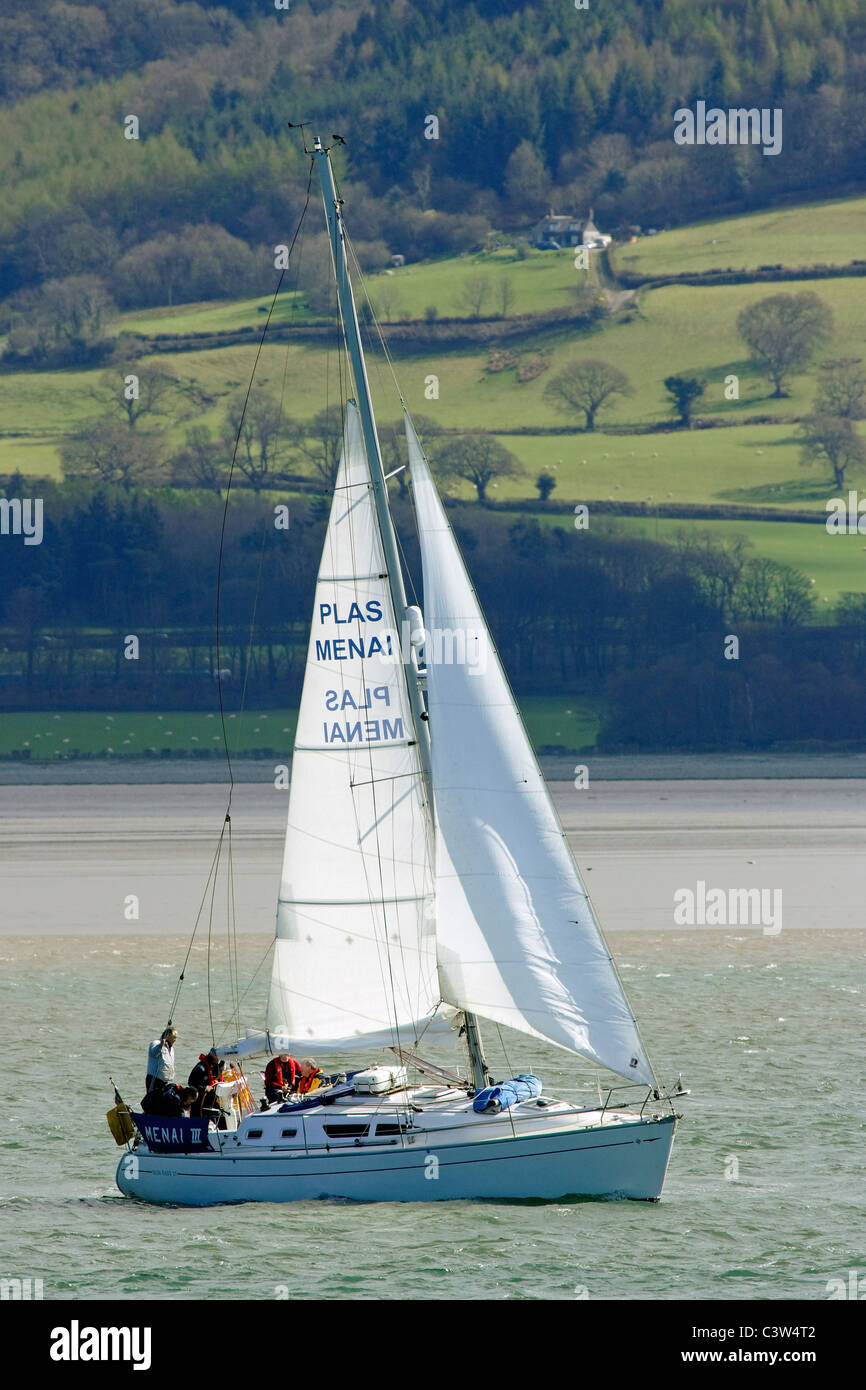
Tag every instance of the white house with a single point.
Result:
(563, 229)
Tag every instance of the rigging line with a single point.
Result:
(375, 320)
(406, 568)
(229, 489)
(255, 610)
(258, 588)
(210, 932)
(511, 1069)
(270, 947)
(232, 988)
(233, 931)
(214, 863)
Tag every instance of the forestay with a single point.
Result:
(355, 951)
(517, 938)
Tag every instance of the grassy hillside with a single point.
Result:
(678, 328)
(720, 466)
(671, 329)
(540, 280)
(829, 233)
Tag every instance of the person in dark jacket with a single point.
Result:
(204, 1077)
(171, 1101)
(281, 1077)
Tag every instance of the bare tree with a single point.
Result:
(389, 305)
(108, 450)
(136, 389)
(770, 592)
(834, 439)
(474, 294)
(504, 295)
(312, 274)
(479, 458)
(258, 431)
(321, 443)
(26, 611)
(841, 389)
(63, 320)
(203, 462)
(584, 387)
(782, 332)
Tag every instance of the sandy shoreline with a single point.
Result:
(72, 857)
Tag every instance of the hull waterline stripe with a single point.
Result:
(408, 1167)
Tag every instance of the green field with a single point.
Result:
(551, 720)
(757, 464)
(543, 280)
(830, 233)
(673, 329)
(136, 734)
(208, 316)
(836, 563)
(680, 328)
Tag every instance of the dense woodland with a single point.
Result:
(639, 623)
(538, 104)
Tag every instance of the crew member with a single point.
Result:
(282, 1075)
(204, 1077)
(170, 1101)
(160, 1061)
(189, 1101)
(310, 1076)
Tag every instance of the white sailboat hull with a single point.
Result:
(627, 1160)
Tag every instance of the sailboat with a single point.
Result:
(426, 885)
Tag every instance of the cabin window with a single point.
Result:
(389, 1129)
(254, 1134)
(346, 1131)
(288, 1134)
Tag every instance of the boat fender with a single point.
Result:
(121, 1124)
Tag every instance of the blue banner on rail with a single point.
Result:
(168, 1134)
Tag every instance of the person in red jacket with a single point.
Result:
(281, 1077)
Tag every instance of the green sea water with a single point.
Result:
(763, 1200)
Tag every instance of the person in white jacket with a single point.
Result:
(160, 1060)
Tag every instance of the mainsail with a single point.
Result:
(517, 938)
(355, 952)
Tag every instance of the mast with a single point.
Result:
(334, 214)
